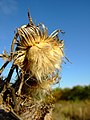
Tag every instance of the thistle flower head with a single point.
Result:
(37, 52)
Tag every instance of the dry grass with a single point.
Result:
(69, 110)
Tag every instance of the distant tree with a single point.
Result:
(57, 93)
(75, 93)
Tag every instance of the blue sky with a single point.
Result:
(72, 16)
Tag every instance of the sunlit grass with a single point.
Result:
(72, 110)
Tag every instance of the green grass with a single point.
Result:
(69, 110)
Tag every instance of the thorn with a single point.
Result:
(29, 17)
(62, 31)
(68, 60)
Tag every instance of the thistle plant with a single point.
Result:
(37, 58)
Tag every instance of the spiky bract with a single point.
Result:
(38, 52)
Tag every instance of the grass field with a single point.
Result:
(69, 110)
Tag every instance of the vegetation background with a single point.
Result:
(72, 104)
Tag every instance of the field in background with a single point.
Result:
(72, 104)
(72, 110)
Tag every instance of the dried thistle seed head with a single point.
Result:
(38, 52)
